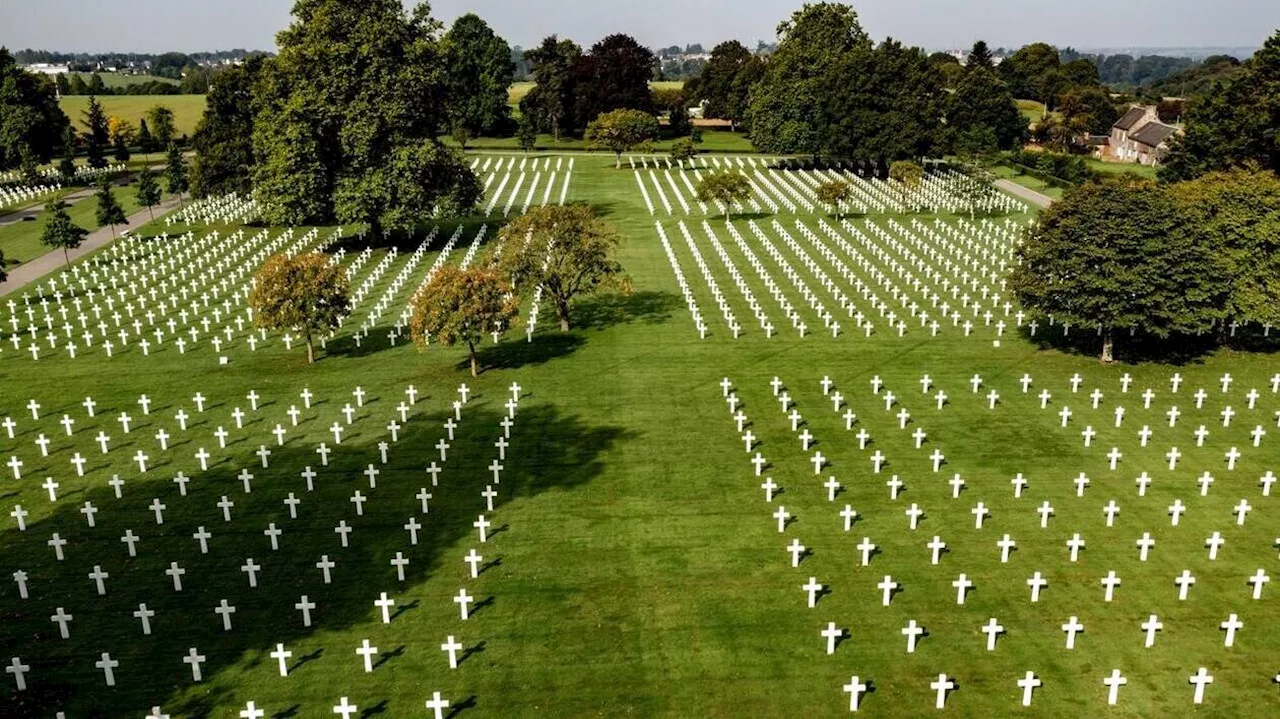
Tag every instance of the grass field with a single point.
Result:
(114, 79)
(1044, 188)
(634, 566)
(186, 108)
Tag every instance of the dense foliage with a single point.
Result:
(31, 123)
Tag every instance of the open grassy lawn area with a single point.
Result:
(1034, 183)
(20, 241)
(627, 559)
(186, 108)
(1146, 172)
(115, 79)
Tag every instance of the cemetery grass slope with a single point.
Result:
(636, 569)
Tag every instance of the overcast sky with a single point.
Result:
(188, 26)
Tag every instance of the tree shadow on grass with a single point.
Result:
(604, 311)
(517, 352)
(551, 450)
(1138, 348)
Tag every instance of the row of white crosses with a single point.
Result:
(685, 290)
(832, 634)
(22, 194)
(709, 277)
(227, 209)
(865, 268)
(225, 610)
(490, 167)
(83, 172)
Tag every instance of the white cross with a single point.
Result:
(914, 512)
(812, 588)
(473, 560)
(1176, 511)
(936, 545)
(107, 664)
(854, 688)
(992, 629)
(865, 547)
(962, 584)
(942, 685)
(451, 646)
(797, 550)
(1028, 684)
(1151, 626)
(1231, 625)
(1184, 582)
(366, 652)
(1072, 627)
(832, 634)
(886, 586)
(305, 607)
(251, 711)
(195, 659)
(1006, 544)
(385, 603)
(1201, 679)
(1110, 582)
(18, 670)
(1037, 582)
(1144, 546)
(1075, 544)
(1231, 456)
(1258, 580)
(912, 632)
(345, 709)
(437, 705)
(1214, 541)
(1114, 682)
(463, 600)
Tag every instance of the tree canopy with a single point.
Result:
(304, 292)
(148, 191)
(1238, 212)
(60, 233)
(613, 75)
(462, 307)
(109, 212)
(622, 130)
(223, 140)
(97, 133)
(1120, 256)
(726, 188)
(1235, 124)
(347, 116)
(551, 101)
(834, 193)
(981, 115)
(566, 250)
(726, 80)
(478, 72)
(31, 122)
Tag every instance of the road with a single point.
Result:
(1025, 193)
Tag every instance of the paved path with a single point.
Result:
(1025, 193)
(29, 272)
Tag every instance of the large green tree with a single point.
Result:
(1088, 108)
(726, 80)
(478, 73)
(982, 107)
(790, 107)
(1239, 213)
(304, 292)
(566, 250)
(31, 122)
(163, 128)
(1121, 256)
(1234, 124)
(223, 140)
(613, 75)
(550, 103)
(148, 191)
(1033, 73)
(347, 117)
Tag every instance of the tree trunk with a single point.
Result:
(617, 163)
(1108, 347)
(311, 350)
(113, 231)
(67, 257)
(151, 211)
(475, 362)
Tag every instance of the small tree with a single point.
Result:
(148, 191)
(621, 130)
(462, 307)
(727, 188)
(909, 175)
(60, 233)
(120, 148)
(1121, 256)
(565, 249)
(146, 143)
(67, 165)
(97, 133)
(305, 292)
(176, 172)
(834, 194)
(109, 210)
(162, 127)
(975, 187)
(683, 150)
(527, 134)
(460, 135)
(4, 274)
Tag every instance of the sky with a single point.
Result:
(190, 26)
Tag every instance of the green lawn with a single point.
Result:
(115, 79)
(1146, 172)
(637, 568)
(1044, 188)
(186, 108)
(20, 242)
